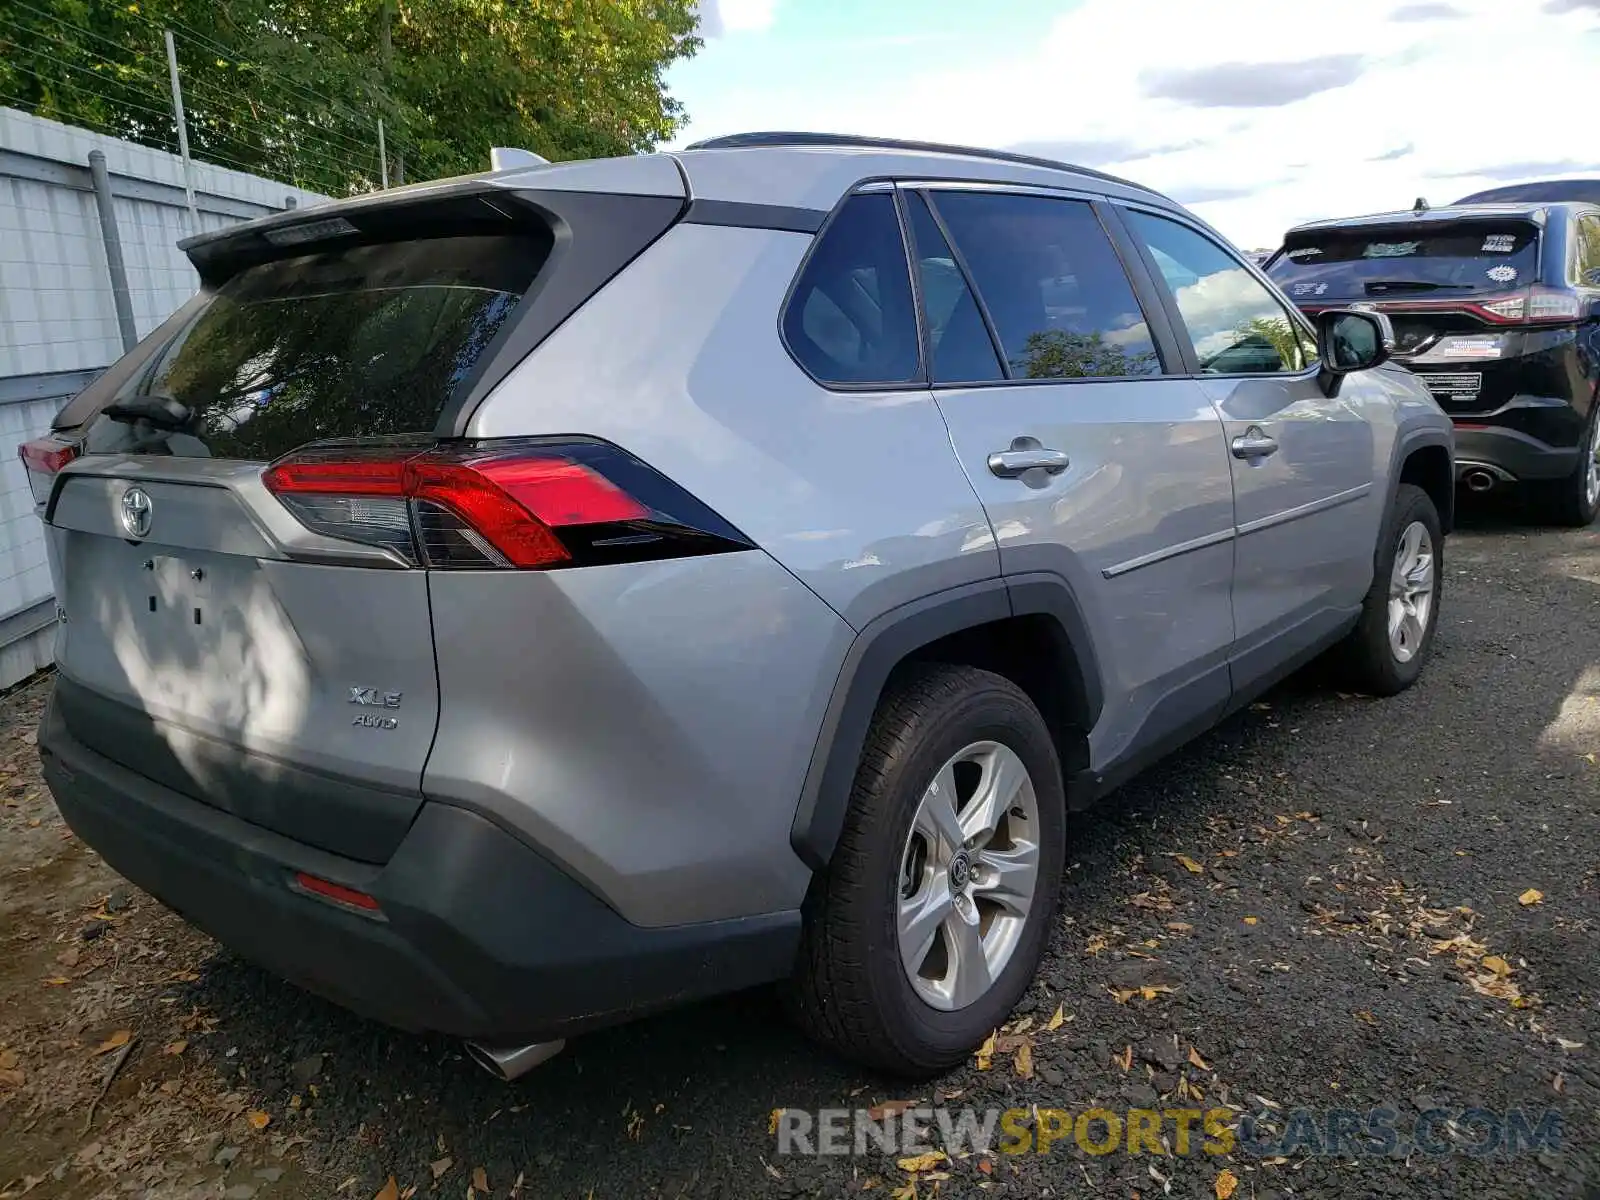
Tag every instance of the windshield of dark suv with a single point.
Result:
(1321, 265)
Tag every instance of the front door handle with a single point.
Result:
(1252, 443)
(1026, 454)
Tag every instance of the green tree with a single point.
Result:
(293, 89)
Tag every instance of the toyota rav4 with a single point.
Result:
(510, 605)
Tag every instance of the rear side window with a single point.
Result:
(1053, 285)
(958, 340)
(1236, 324)
(850, 319)
(1323, 265)
(364, 341)
(1587, 266)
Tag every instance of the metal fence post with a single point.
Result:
(183, 132)
(120, 297)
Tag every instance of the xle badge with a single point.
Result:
(373, 698)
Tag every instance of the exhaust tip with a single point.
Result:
(507, 1063)
(1479, 480)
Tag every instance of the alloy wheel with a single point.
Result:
(968, 875)
(1411, 583)
(1591, 477)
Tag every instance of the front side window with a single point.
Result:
(1236, 325)
(1053, 285)
(851, 319)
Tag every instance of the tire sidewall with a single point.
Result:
(985, 715)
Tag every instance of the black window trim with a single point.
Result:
(1169, 301)
(1165, 344)
(958, 257)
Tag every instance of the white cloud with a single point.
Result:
(720, 17)
(1392, 100)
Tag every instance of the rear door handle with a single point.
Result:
(1252, 443)
(1026, 454)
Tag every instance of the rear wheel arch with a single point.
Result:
(1030, 630)
(1428, 467)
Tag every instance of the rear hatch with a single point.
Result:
(268, 650)
(1470, 314)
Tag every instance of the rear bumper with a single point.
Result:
(481, 936)
(1511, 452)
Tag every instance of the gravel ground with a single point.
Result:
(1324, 904)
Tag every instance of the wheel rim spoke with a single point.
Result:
(1004, 777)
(921, 919)
(936, 817)
(1008, 877)
(969, 975)
(1411, 584)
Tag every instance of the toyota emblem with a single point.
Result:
(136, 512)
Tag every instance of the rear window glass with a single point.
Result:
(1479, 256)
(366, 341)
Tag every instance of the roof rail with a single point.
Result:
(741, 140)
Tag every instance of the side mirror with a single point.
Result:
(1348, 340)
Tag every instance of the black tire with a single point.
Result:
(1369, 660)
(1567, 501)
(849, 991)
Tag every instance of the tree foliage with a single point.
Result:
(293, 89)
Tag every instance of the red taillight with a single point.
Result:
(525, 505)
(47, 454)
(1534, 305)
(336, 892)
(43, 458)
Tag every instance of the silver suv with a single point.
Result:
(509, 605)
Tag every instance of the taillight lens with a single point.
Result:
(43, 458)
(526, 504)
(1537, 304)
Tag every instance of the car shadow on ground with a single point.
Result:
(681, 1102)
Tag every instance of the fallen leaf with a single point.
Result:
(440, 1166)
(1498, 965)
(171, 1087)
(1363, 1015)
(177, 1047)
(1057, 1019)
(908, 1192)
(985, 1055)
(889, 1108)
(985, 1166)
(772, 1121)
(1252, 920)
(8, 1059)
(924, 1162)
(516, 1188)
(258, 1119)
(1023, 1025)
(1023, 1062)
(389, 1191)
(1180, 926)
(57, 981)
(1531, 896)
(1189, 864)
(295, 1102)
(68, 957)
(1227, 1184)
(1568, 1045)
(115, 1042)
(12, 1079)
(479, 1179)
(1125, 1059)
(1151, 991)
(1196, 1060)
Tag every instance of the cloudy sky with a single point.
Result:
(1256, 113)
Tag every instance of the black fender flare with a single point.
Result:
(1416, 438)
(880, 647)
